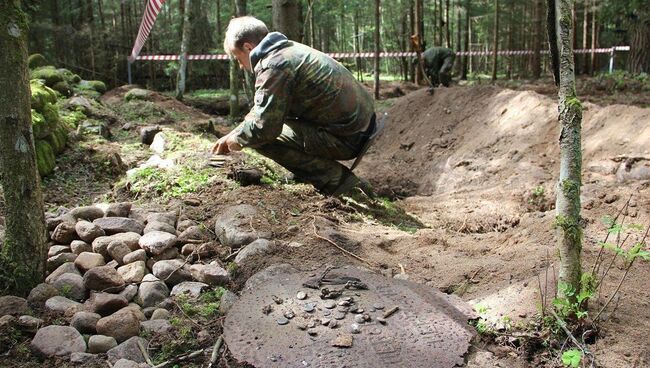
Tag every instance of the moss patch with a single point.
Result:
(36, 61)
(45, 158)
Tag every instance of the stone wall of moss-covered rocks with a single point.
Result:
(48, 83)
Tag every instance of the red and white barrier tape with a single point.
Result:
(148, 19)
(343, 55)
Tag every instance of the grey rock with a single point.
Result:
(57, 249)
(121, 325)
(8, 321)
(355, 329)
(128, 350)
(41, 293)
(85, 322)
(282, 321)
(358, 318)
(13, 305)
(71, 286)
(100, 246)
(55, 262)
(233, 226)
(136, 255)
(104, 278)
(133, 272)
(172, 271)
(30, 323)
(87, 231)
(228, 299)
(258, 247)
(152, 291)
(117, 249)
(329, 304)
(212, 275)
(190, 288)
(98, 344)
(88, 213)
(148, 133)
(156, 242)
(166, 217)
(129, 292)
(114, 225)
(125, 363)
(195, 233)
(159, 226)
(80, 246)
(63, 305)
(88, 260)
(188, 249)
(301, 295)
(159, 143)
(156, 326)
(119, 209)
(184, 225)
(106, 304)
(131, 239)
(82, 358)
(160, 313)
(170, 253)
(53, 341)
(64, 233)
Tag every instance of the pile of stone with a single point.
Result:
(112, 270)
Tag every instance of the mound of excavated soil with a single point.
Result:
(484, 136)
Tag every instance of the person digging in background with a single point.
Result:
(438, 62)
(309, 111)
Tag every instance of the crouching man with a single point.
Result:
(309, 110)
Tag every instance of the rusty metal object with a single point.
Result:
(430, 330)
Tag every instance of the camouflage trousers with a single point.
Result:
(311, 153)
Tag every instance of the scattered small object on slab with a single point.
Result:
(343, 341)
(282, 321)
(301, 295)
(391, 311)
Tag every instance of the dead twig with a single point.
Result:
(578, 344)
(196, 324)
(181, 358)
(391, 311)
(313, 223)
(215, 351)
(144, 353)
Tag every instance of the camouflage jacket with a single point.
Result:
(294, 81)
(434, 57)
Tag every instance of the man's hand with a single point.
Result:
(226, 144)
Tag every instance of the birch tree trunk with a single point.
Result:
(639, 59)
(377, 45)
(537, 40)
(22, 256)
(185, 42)
(467, 58)
(567, 205)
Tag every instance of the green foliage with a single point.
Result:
(172, 183)
(572, 358)
(41, 95)
(71, 119)
(63, 88)
(573, 302)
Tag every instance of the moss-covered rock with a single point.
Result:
(45, 159)
(51, 115)
(41, 95)
(36, 61)
(137, 94)
(39, 126)
(58, 139)
(69, 76)
(63, 88)
(49, 74)
(92, 85)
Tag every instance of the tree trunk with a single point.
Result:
(448, 24)
(185, 42)
(357, 42)
(459, 44)
(419, 26)
(585, 31)
(218, 40)
(286, 18)
(466, 35)
(495, 58)
(22, 256)
(537, 40)
(639, 59)
(592, 68)
(377, 45)
(412, 71)
(567, 205)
